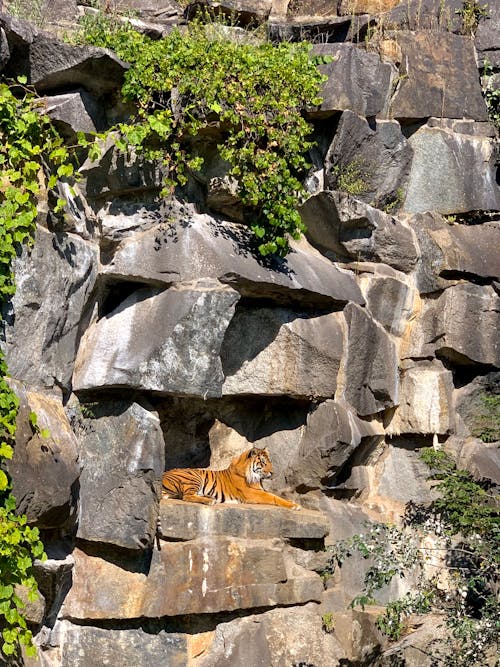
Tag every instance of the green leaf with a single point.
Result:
(22, 79)
(4, 481)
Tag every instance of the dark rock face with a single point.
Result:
(450, 89)
(123, 458)
(374, 159)
(45, 468)
(47, 307)
(357, 80)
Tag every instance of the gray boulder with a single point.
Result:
(54, 279)
(438, 77)
(448, 326)
(453, 251)
(123, 457)
(74, 112)
(52, 65)
(357, 80)
(198, 247)
(389, 298)
(45, 467)
(486, 39)
(371, 161)
(371, 364)
(352, 230)
(478, 406)
(479, 458)
(84, 645)
(451, 172)
(162, 341)
(276, 351)
(331, 435)
(425, 401)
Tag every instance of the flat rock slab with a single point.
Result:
(205, 575)
(439, 77)
(185, 521)
(357, 80)
(162, 341)
(198, 247)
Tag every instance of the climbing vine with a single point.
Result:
(455, 571)
(29, 148)
(251, 92)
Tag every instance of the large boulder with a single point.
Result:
(196, 246)
(448, 327)
(147, 342)
(54, 279)
(438, 77)
(204, 575)
(370, 160)
(331, 435)
(350, 229)
(389, 296)
(357, 80)
(451, 172)
(84, 645)
(478, 406)
(371, 378)
(274, 639)
(425, 401)
(45, 467)
(274, 351)
(74, 112)
(486, 39)
(123, 457)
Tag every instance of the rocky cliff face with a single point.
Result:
(147, 335)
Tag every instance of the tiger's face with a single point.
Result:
(259, 465)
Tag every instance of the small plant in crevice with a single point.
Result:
(328, 622)
(350, 178)
(486, 422)
(252, 94)
(471, 13)
(451, 549)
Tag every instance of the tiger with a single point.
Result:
(241, 482)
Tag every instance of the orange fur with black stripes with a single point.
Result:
(241, 482)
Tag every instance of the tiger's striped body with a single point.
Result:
(241, 482)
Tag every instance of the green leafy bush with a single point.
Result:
(198, 79)
(455, 573)
(29, 146)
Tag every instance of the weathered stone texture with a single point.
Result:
(371, 370)
(331, 435)
(123, 457)
(275, 351)
(438, 78)
(45, 467)
(357, 80)
(448, 326)
(147, 342)
(185, 521)
(351, 229)
(84, 645)
(454, 250)
(425, 401)
(276, 638)
(74, 112)
(389, 299)
(375, 158)
(54, 280)
(451, 173)
(199, 576)
(196, 246)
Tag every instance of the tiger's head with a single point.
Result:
(258, 465)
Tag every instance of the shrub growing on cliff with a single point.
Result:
(28, 146)
(456, 570)
(252, 92)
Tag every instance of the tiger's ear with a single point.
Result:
(252, 453)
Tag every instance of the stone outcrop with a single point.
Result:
(147, 333)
